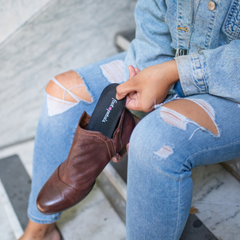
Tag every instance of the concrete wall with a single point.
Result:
(14, 13)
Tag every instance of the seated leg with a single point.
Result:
(164, 147)
(57, 124)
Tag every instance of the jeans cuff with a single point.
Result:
(51, 218)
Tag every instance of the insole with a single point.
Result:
(107, 112)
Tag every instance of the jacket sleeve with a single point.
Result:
(215, 71)
(152, 42)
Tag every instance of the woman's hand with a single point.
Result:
(148, 87)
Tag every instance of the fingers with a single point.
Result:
(125, 88)
(131, 71)
(132, 101)
(137, 70)
(117, 158)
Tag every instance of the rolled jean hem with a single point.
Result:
(45, 221)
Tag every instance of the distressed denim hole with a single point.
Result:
(113, 71)
(177, 113)
(164, 152)
(173, 118)
(65, 91)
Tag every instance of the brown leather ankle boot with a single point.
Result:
(90, 152)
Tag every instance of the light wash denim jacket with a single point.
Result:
(210, 36)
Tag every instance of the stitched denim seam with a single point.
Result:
(210, 28)
(228, 24)
(182, 39)
(178, 217)
(197, 66)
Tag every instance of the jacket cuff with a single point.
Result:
(179, 90)
(192, 74)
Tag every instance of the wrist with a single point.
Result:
(172, 72)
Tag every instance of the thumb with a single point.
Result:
(131, 71)
(125, 88)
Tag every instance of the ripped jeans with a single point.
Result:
(164, 147)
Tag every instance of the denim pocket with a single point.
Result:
(231, 26)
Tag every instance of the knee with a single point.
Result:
(70, 87)
(142, 139)
(152, 147)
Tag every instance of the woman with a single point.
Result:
(183, 68)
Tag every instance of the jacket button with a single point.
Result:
(211, 5)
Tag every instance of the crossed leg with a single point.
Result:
(74, 83)
(68, 80)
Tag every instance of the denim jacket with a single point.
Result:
(209, 31)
